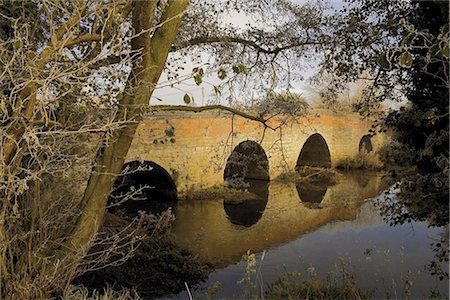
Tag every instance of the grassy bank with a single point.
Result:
(362, 161)
(221, 193)
(291, 287)
(310, 175)
(339, 284)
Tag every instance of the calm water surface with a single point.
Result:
(320, 230)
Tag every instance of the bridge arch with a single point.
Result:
(365, 144)
(247, 168)
(248, 161)
(143, 186)
(314, 153)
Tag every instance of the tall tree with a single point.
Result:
(402, 48)
(76, 78)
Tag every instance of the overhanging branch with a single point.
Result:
(238, 40)
(234, 111)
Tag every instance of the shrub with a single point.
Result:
(290, 287)
(157, 267)
(222, 193)
(310, 175)
(366, 161)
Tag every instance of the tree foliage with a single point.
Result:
(75, 80)
(403, 50)
(54, 54)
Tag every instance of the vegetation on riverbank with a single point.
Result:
(362, 161)
(310, 175)
(81, 293)
(70, 72)
(291, 287)
(339, 284)
(219, 192)
(154, 268)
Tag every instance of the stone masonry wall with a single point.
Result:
(194, 147)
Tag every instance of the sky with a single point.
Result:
(202, 94)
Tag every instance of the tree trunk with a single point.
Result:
(110, 158)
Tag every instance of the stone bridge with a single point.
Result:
(196, 150)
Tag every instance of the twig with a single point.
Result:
(188, 291)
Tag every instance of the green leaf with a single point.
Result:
(384, 62)
(18, 44)
(222, 74)
(433, 50)
(427, 151)
(198, 79)
(3, 107)
(243, 68)
(186, 99)
(405, 60)
(407, 40)
(444, 51)
(198, 75)
(240, 68)
(442, 163)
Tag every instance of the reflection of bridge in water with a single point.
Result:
(222, 235)
(177, 153)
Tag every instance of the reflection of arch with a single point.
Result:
(247, 168)
(249, 211)
(311, 196)
(361, 177)
(315, 153)
(247, 161)
(365, 145)
(149, 187)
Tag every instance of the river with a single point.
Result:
(291, 228)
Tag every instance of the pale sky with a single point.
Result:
(204, 92)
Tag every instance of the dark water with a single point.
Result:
(311, 230)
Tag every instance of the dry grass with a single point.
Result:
(290, 287)
(339, 284)
(365, 161)
(221, 193)
(310, 175)
(81, 293)
(154, 268)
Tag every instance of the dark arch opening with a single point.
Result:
(311, 195)
(314, 153)
(365, 145)
(247, 169)
(247, 161)
(143, 186)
